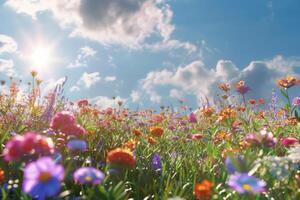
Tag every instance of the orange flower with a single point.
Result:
(291, 121)
(227, 113)
(137, 132)
(207, 112)
(203, 190)
(287, 82)
(252, 101)
(224, 86)
(220, 136)
(2, 176)
(230, 150)
(151, 140)
(131, 144)
(121, 156)
(156, 131)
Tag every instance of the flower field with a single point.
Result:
(237, 148)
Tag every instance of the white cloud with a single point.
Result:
(7, 67)
(201, 81)
(105, 102)
(176, 94)
(110, 78)
(81, 60)
(89, 79)
(7, 44)
(74, 89)
(123, 22)
(135, 96)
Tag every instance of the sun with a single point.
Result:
(41, 57)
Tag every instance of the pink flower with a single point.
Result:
(62, 119)
(192, 118)
(65, 122)
(82, 103)
(30, 143)
(289, 141)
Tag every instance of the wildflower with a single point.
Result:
(156, 131)
(251, 101)
(221, 136)
(242, 88)
(196, 136)
(243, 183)
(241, 109)
(287, 82)
(192, 118)
(265, 138)
(231, 162)
(88, 175)
(29, 143)
(261, 101)
(42, 178)
(292, 121)
(79, 145)
(13, 149)
(203, 190)
(61, 120)
(227, 113)
(2, 176)
(121, 156)
(131, 144)
(156, 164)
(296, 101)
(34, 73)
(151, 140)
(157, 118)
(289, 141)
(224, 86)
(83, 103)
(137, 132)
(207, 112)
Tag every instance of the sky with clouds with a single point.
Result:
(150, 52)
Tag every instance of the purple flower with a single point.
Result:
(88, 175)
(243, 183)
(79, 145)
(42, 178)
(231, 162)
(296, 101)
(156, 162)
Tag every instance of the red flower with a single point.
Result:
(289, 141)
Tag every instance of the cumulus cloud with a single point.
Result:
(123, 22)
(105, 102)
(135, 96)
(81, 60)
(200, 80)
(7, 67)
(7, 44)
(89, 79)
(110, 78)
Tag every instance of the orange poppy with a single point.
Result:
(156, 131)
(203, 190)
(121, 156)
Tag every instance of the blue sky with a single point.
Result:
(150, 52)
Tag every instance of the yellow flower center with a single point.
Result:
(44, 177)
(247, 187)
(88, 178)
